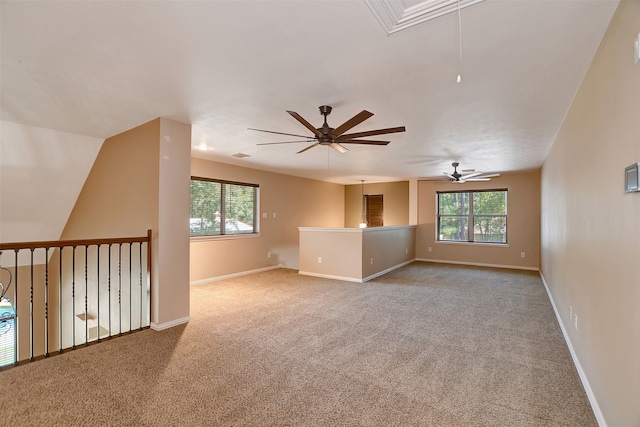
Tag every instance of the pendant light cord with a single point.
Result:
(460, 32)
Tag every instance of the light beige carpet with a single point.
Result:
(425, 345)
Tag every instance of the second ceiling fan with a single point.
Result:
(461, 178)
(334, 137)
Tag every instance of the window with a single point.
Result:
(220, 208)
(473, 216)
(7, 333)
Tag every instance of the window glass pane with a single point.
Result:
(205, 208)
(454, 228)
(453, 203)
(7, 333)
(239, 209)
(490, 203)
(490, 229)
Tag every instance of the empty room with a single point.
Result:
(312, 213)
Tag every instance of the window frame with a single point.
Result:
(223, 191)
(471, 216)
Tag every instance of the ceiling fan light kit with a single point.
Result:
(334, 138)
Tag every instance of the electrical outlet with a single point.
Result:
(406, 250)
(522, 254)
(319, 260)
(268, 254)
(264, 215)
(429, 249)
(570, 312)
(274, 214)
(636, 49)
(371, 262)
(575, 321)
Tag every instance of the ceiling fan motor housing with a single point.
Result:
(455, 173)
(325, 130)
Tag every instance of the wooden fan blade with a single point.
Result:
(284, 142)
(305, 123)
(307, 148)
(371, 133)
(279, 133)
(355, 141)
(353, 121)
(338, 147)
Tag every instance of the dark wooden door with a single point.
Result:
(375, 211)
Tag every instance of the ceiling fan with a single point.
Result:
(331, 137)
(461, 178)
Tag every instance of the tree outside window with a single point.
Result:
(473, 216)
(223, 208)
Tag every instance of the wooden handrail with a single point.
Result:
(67, 243)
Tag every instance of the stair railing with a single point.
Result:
(71, 293)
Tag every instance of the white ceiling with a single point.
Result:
(100, 68)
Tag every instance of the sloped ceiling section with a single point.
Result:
(42, 172)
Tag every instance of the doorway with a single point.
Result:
(374, 210)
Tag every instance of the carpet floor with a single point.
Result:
(425, 345)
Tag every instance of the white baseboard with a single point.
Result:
(355, 279)
(479, 264)
(231, 276)
(583, 376)
(330, 276)
(395, 267)
(171, 324)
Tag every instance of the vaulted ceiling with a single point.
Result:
(100, 68)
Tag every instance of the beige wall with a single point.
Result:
(171, 248)
(395, 200)
(340, 251)
(591, 228)
(295, 201)
(355, 254)
(523, 224)
(388, 247)
(122, 198)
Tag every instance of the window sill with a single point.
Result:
(451, 242)
(224, 237)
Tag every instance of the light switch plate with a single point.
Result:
(636, 49)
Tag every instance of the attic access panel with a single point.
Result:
(397, 15)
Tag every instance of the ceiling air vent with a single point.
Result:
(241, 155)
